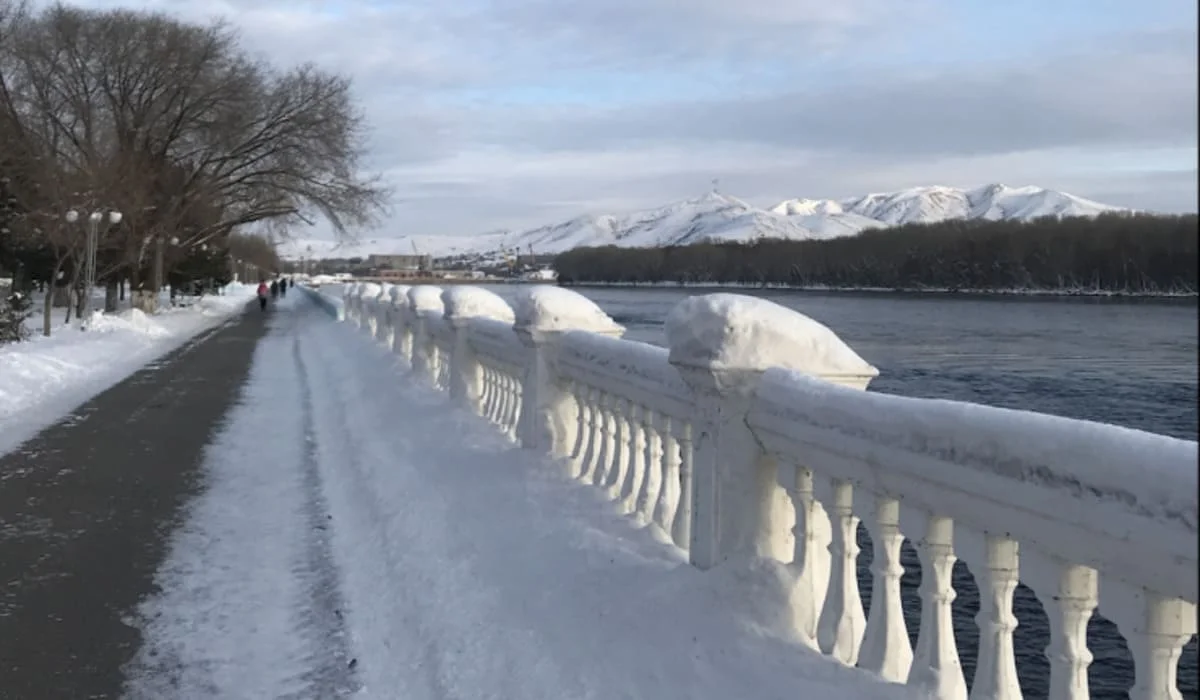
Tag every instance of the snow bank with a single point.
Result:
(45, 378)
(747, 333)
(423, 297)
(547, 308)
(133, 320)
(474, 302)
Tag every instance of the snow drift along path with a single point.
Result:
(467, 568)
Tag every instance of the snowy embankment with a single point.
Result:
(44, 378)
(467, 568)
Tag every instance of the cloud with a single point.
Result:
(509, 113)
(1104, 97)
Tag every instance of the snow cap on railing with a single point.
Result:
(385, 292)
(368, 290)
(399, 294)
(736, 332)
(424, 298)
(544, 308)
(465, 302)
(351, 290)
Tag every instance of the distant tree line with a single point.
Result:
(1119, 253)
(199, 144)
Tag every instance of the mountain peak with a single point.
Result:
(719, 217)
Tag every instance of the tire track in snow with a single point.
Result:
(249, 604)
(332, 674)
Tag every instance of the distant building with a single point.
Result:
(400, 263)
(387, 274)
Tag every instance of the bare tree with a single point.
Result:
(175, 126)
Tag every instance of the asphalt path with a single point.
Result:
(87, 508)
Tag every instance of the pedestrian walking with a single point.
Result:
(262, 295)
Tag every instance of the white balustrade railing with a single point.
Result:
(751, 434)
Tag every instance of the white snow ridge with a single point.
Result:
(719, 217)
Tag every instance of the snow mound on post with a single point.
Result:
(399, 294)
(473, 302)
(369, 290)
(425, 298)
(547, 308)
(731, 331)
(385, 292)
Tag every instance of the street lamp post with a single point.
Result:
(89, 261)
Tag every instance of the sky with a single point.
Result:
(489, 114)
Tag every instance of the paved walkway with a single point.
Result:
(87, 505)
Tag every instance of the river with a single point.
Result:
(1129, 362)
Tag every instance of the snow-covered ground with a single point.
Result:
(359, 537)
(44, 378)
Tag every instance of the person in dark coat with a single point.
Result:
(274, 289)
(283, 287)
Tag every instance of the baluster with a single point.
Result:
(1156, 640)
(492, 395)
(885, 648)
(518, 400)
(652, 459)
(506, 398)
(620, 455)
(840, 629)
(668, 492)
(936, 667)
(594, 418)
(514, 406)
(996, 668)
(576, 391)
(681, 530)
(406, 338)
(810, 557)
(608, 429)
(501, 398)
(636, 473)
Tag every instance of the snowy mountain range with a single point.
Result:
(720, 217)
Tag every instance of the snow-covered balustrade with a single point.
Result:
(424, 315)
(752, 434)
(332, 306)
(631, 433)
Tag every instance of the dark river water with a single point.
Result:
(1126, 362)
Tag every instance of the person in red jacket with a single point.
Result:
(263, 290)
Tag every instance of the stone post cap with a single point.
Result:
(351, 290)
(368, 290)
(424, 298)
(732, 334)
(466, 302)
(543, 309)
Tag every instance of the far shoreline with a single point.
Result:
(1097, 294)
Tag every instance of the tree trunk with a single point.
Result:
(77, 290)
(111, 302)
(47, 309)
(121, 288)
